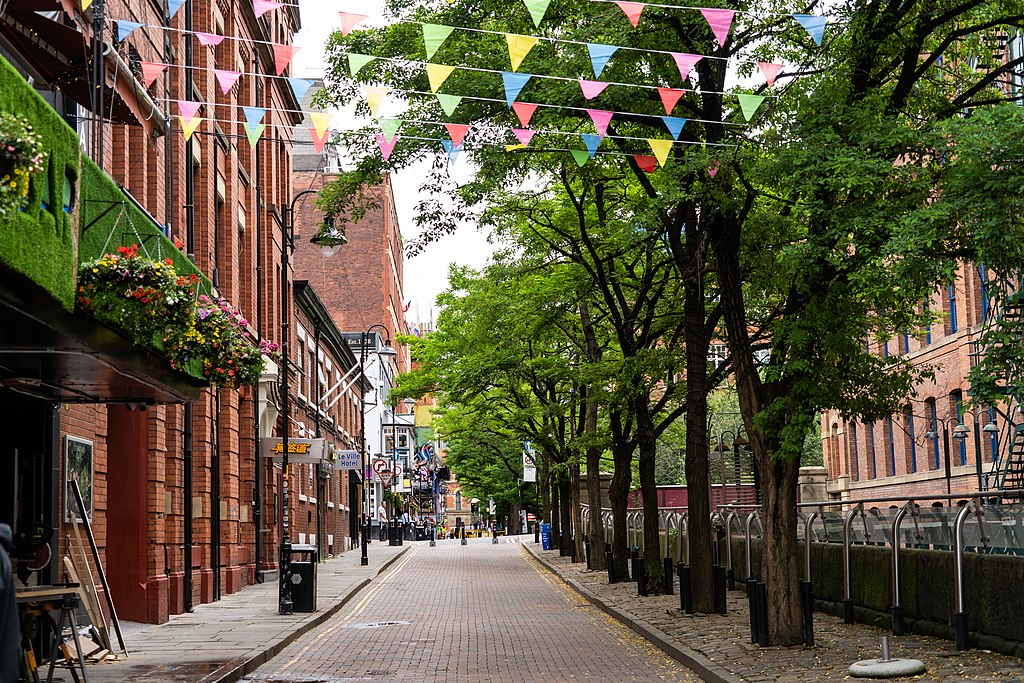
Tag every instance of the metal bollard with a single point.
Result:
(641, 577)
(669, 581)
(807, 604)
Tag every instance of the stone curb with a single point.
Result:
(707, 669)
(234, 670)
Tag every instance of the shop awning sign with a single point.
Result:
(347, 460)
(300, 451)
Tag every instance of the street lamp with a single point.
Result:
(386, 352)
(990, 429)
(284, 603)
(959, 432)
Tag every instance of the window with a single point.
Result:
(892, 446)
(928, 325)
(933, 418)
(952, 309)
(957, 397)
(855, 456)
(912, 441)
(906, 341)
(993, 436)
(885, 349)
(872, 467)
(983, 291)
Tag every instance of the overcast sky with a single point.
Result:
(426, 275)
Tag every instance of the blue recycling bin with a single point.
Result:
(545, 536)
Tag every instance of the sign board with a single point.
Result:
(347, 460)
(529, 466)
(380, 465)
(300, 451)
(385, 477)
(399, 471)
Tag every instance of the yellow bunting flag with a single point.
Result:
(320, 121)
(661, 149)
(189, 127)
(437, 74)
(374, 96)
(518, 48)
(512, 148)
(86, 4)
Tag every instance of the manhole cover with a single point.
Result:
(380, 624)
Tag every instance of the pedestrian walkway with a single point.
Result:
(477, 613)
(718, 647)
(224, 640)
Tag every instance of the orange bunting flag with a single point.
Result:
(669, 98)
(457, 131)
(524, 111)
(151, 71)
(632, 10)
(770, 71)
(319, 139)
(645, 162)
(350, 20)
(283, 56)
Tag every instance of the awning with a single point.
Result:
(50, 354)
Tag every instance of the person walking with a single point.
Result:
(10, 633)
(382, 519)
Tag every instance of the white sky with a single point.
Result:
(426, 275)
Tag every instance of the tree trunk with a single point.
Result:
(595, 526)
(543, 477)
(577, 511)
(647, 442)
(565, 516)
(618, 494)
(553, 514)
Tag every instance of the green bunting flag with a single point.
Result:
(390, 127)
(581, 156)
(749, 104)
(449, 103)
(357, 62)
(537, 9)
(434, 35)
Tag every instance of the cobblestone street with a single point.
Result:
(476, 613)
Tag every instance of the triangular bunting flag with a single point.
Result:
(349, 20)
(599, 56)
(386, 147)
(749, 104)
(457, 131)
(713, 168)
(661, 149)
(319, 140)
(300, 86)
(514, 84)
(581, 156)
(188, 109)
(518, 48)
(685, 62)
(437, 74)
(320, 121)
(720, 20)
(124, 27)
(390, 127)
(592, 89)
(226, 79)
(601, 118)
(434, 36)
(670, 97)
(452, 149)
(770, 71)
(592, 142)
(173, 6)
(189, 127)
(357, 62)
(524, 135)
(261, 7)
(674, 125)
(151, 71)
(537, 9)
(510, 148)
(253, 116)
(86, 4)
(632, 10)
(254, 133)
(208, 38)
(814, 25)
(448, 103)
(374, 96)
(524, 112)
(283, 56)
(645, 162)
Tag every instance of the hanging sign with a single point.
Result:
(300, 451)
(347, 460)
(529, 467)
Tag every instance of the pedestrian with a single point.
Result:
(10, 633)
(382, 519)
(405, 524)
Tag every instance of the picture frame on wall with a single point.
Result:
(78, 463)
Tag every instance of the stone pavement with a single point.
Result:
(719, 649)
(224, 640)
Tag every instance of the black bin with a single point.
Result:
(303, 572)
(395, 533)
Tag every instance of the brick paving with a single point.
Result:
(481, 612)
(720, 647)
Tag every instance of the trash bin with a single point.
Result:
(421, 532)
(545, 536)
(395, 534)
(303, 570)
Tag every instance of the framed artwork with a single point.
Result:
(77, 465)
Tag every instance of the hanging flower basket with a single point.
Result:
(138, 295)
(21, 157)
(217, 342)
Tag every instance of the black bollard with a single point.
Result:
(641, 577)
(732, 579)
(847, 611)
(536, 532)
(960, 629)
(718, 584)
(762, 614)
(494, 536)
(898, 627)
(669, 582)
(462, 534)
(610, 565)
(586, 550)
(572, 549)
(633, 554)
(752, 605)
(807, 605)
(685, 588)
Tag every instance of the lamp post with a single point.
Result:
(959, 432)
(326, 237)
(386, 352)
(990, 429)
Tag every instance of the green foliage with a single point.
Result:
(21, 157)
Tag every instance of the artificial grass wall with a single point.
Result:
(40, 241)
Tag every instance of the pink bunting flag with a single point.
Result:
(208, 38)
(632, 10)
(592, 89)
(283, 56)
(524, 111)
(319, 140)
(720, 21)
(261, 7)
(646, 162)
(386, 147)
(226, 79)
(601, 119)
(669, 98)
(349, 21)
(771, 71)
(151, 71)
(457, 131)
(713, 169)
(188, 109)
(524, 135)
(685, 62)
